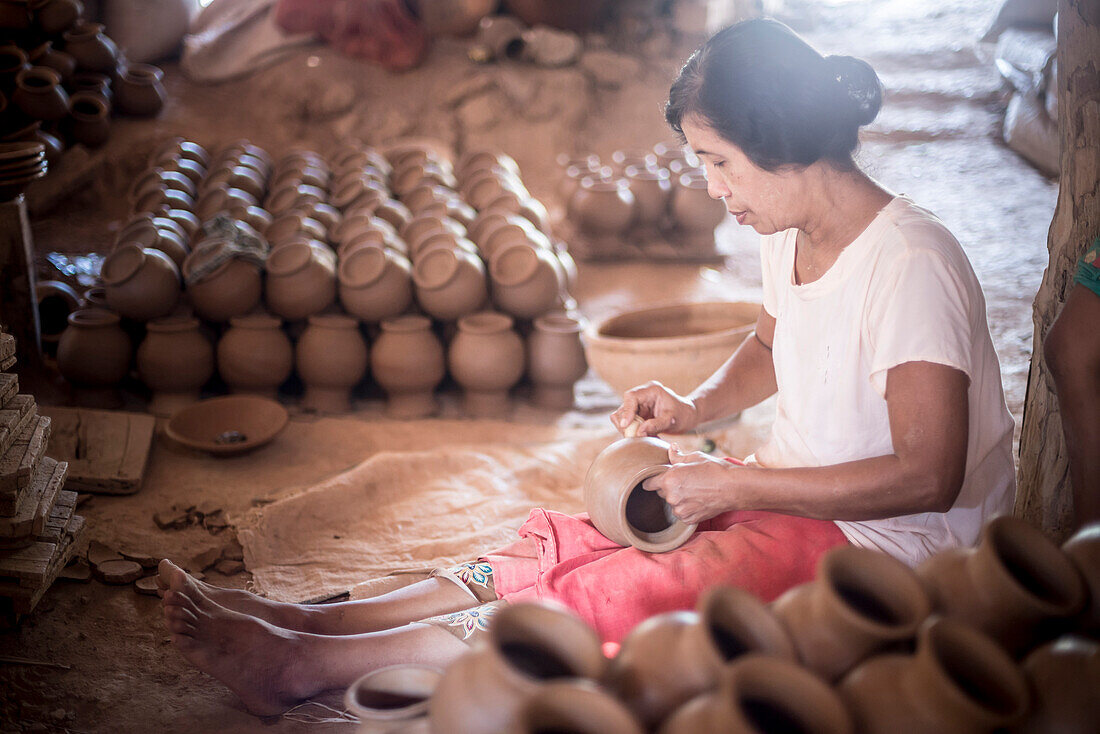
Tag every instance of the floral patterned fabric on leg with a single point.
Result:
(469, 624)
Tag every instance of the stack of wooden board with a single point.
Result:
(39, 529)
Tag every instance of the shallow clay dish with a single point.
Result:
(228, 425)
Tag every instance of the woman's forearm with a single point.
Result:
(746, 378)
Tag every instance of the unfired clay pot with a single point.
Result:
(145, 232)
(527, 645)
(94, 351)
(57, 16)
(292, 225)
(140, 90)
(861, 602)
(254, 355)
(141, 283)
(486, 357)
(450, 283)
(331, 356)
(175, 360)
(574, 706)
(375, 284)
(555, 360)
(301, 279)
(652, 189)
(959, 681)
(1083, 550)
(1015, 583)
(693, 210)
(386, 698)
(618, 505)
(526, 281)
(92, 50)
(39, 94)
(233, 288)
(407, 361)
(1064, 677)
(602, 207)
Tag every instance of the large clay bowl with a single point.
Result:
(679, 345)
(228, 425)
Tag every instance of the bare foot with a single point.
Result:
(261, 663)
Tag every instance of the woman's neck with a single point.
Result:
(839, 206)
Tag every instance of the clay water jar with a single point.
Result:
(140, 90)
(602, 208)
(375, 284)
(61, 62)
(94, 351)
(175, 360)
(1083, 549)
(652, 189)
(386, 699)
(526, 281)
(233, 288)
(292, 225)
(142, 283)
(862, 602)
(331, 357)
(301, 279)
(1063, 677)
(1016, 585)
(486, 357)
(693, 209)
(144, 231)
(450, 283)
(527, 646)
(92, 50)
(39, 94)
(618, 505)
(408, 363)
(254, 355)
(555, 360)
(573, 706)
(958, 681)
(56, 16)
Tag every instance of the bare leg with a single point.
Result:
(400, 607)
(272, 669)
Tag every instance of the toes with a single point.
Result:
(176, 600)
(179, 626)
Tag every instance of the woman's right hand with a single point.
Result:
(659, 409)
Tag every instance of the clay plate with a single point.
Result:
(229, 425)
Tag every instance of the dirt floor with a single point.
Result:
(937, 140)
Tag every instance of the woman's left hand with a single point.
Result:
(697, 486)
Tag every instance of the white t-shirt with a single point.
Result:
(903, 291)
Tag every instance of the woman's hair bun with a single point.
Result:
(859, 82)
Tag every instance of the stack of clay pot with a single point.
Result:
(1002, 637)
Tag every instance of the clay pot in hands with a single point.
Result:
(94, 351)
(140, 90)
(555, 360)
(527, 646)
(92, 50)
(1017, 586)
(1063, 677)
(254, 355)
(696, 214)
(175, 360)
(486, 357)
(526, 281)
(574, 706)
(618, 505)
(142, 283)
(331, 356)
(652, 189)
(861, 603)
(1083, 550)
(450, 283)
(408, 362)
(221, 287)
(301, 279)
(958, 682)
(375, 284)
(388, 697)
(602, 208)
(39, 94)
(764, 695)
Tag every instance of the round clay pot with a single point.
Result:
(181, 148)
(94, 351)
(253, 216)
(1064, 677)
(450, 283)
(1083, 549)
(328, 215)
(221, 198)
(602, 207)
(526, 281)
(394, 212)
(693, 209)
(57, 16)
(159, 200)
(301, 279)
(331, 356)
(575, 706)
(175, 360)
(527, 645)
(1015, 586)
(515, 230)
(140, 90)
(13, 60)
(157, 177)
(618, 505)
(478, 160)
(190, 168)
(238, 177)
(862, 602)
(375, 284)
(38, 92)
(254, 355)
(92, 50)
(447, 241)
(407, 361)
(291, 225)
(555, 360)
(652, 189)
(385, 698)
(56, 300)
(220, 286)
(486, 358)
(144, 231)
(142, 283)
(61, 62)
(958, 681)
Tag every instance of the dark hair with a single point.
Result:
(764, 89)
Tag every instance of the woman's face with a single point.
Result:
(752, 195)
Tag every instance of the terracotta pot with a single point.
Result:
(38, 92)
(254, 355)
(328, 215)
(527, 646)
(526, 281)
(555, 360)
(1017, 586)
(238, 177)
(140, 90)
(763, 695)
(375, 284)
(394, 212)
(144, 231)
(232, 288)
(13, 60)
(57, 16)
(301, 279)
(193, 170)
(221, 198)
(424, 229)
(358, 191)
(444, 240)
(92, 50)
(473, 161)
(575, 706)
(175, 360)
(142, 283)
(181, 148)
(407, 361)
(46, 55)
(95, 297)
(94, 351)
(515, 230)
(486, 357)
(186, 220)
(861, 603)
(331, 356)
(693, 209)
(159, 200)
(253, 216)
(291, 225)
(1083, 550)
(385, 699)
(1063, 677)
(450, 283)
(958, 681)
(652, 189)
(621, 509)
(157, 177)
(56, 300)
(602, 207)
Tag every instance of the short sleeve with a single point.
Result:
(921, 312)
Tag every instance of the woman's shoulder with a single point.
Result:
(909, 228)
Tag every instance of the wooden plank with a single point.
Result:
(18, 463)
(9, 388)
(26, 597)
(59, 518)
(28, 563)
(107, 450)
(7, 346)
(14, 418)
(36, 502)
(7, 364)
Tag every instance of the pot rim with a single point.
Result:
(661, 541)
(393, 714)
(123, 263)
(406, 323)
(372, 271)
(93, 317)
(558, 323)
(485, 322)
(528, 263)
(631, 343)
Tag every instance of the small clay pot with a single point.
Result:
(38, 92)
(388, 697)
(142, 283)
(555, 360)
(1063, 677)
(692, 208)
(89, 119)
(188, 167)
(514, 230)
(140, 90)
(157, 177)
(1083, 549)
(575, 706)
(328, 215)
(486, 357)
(408, 363)
(181, 148)
(221, 198)
(450, 283)
(301, 279)
(862, 602)
(618, 505)
(526, 281)
(473, 161)
(375, 284)
(175, 360)
(652, 189)
(238, 177)
(394, 212)
(94, 351)
(231, 288)
(254, 355)
(144, 231)
(56, 300)
(602, 207)
(13, 59)
(56, 16)
(293, 225)
(331, 357)
(92, 50)
(61, 62)
(158, 200)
